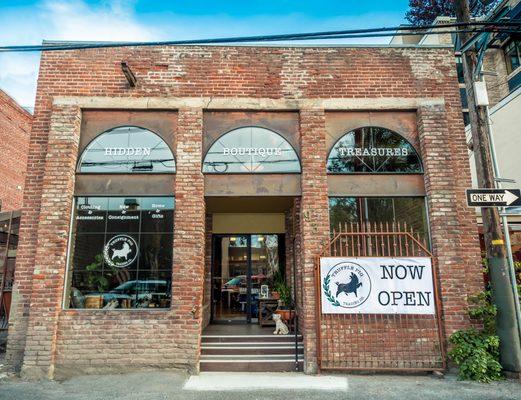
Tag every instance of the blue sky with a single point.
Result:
(29, 22)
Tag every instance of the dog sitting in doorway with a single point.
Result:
(280, 327)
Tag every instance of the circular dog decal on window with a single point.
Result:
(120, 251)
(347, 285)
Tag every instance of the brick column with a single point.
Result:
(27, 236)
(207, 294)
(314, 220)
(452, 223)
(189, 233)
(51, 242)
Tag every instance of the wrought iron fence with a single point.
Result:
(407, 342)
(9, 223)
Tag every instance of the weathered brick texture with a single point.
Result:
(454, 233)
(207, 292)
(97, 340)
(51, 251)
(314, 216)
(15, 127)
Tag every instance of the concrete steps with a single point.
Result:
(250, 353)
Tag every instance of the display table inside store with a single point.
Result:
(267, 308)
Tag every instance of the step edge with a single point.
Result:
(254, 346)
(251, 361)
(251, 336)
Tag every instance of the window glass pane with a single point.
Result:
(386, 210)
(379, 209)
(251, 150)
(459, 70)
(91, 214)
(127, 149)
(512, 55)
(412, 211)
(464, 98)
(123, 214)
(157, 214)
(343, 210)
(373, 150)
(466, 118)
(156, 253)
(89, 274)
(124, 259)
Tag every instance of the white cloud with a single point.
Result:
(75, 20)
(59, 20)
(116, 20)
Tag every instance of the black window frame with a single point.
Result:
(421, 170)
(69, 274)
(363, 218)
(204, 162)
(98, 136)
(515, 43)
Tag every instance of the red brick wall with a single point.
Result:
(452, 223)
(51, 247)
(207, 292)
(314, 220)
(15, 127)
(234, 72)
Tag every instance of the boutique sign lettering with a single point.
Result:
(376, 285)
(252, 151)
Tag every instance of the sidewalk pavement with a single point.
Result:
(163, 385)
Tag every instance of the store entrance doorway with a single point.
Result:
(245, 267)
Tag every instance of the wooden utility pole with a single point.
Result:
(502, 291)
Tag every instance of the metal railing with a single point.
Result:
(378, 342)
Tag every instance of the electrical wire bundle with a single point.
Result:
(510, 27)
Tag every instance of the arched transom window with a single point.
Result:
(373, 150)
(127, 149)
(251, 150)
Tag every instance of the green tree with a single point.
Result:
(424, 12)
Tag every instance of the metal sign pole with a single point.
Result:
(504, 220)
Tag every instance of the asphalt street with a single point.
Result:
(171, 385)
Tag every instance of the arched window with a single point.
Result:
(373, 150)
(251, 150)
(127, 150)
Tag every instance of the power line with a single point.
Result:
(474, 27)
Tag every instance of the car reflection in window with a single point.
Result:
(140, 294)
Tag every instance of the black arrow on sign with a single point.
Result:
(493, 197)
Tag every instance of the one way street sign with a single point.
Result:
(493, 197)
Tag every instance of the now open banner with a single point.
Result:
(376, 285)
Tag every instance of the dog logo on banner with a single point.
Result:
(347, 285)
(120, 251)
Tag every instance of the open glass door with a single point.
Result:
(230, 278)
(242, 265)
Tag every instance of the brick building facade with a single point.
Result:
(15, 128)
(191, 97)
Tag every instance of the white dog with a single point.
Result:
(280, 327)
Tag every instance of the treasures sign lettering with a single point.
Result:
(377, 285)
(373, 152)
